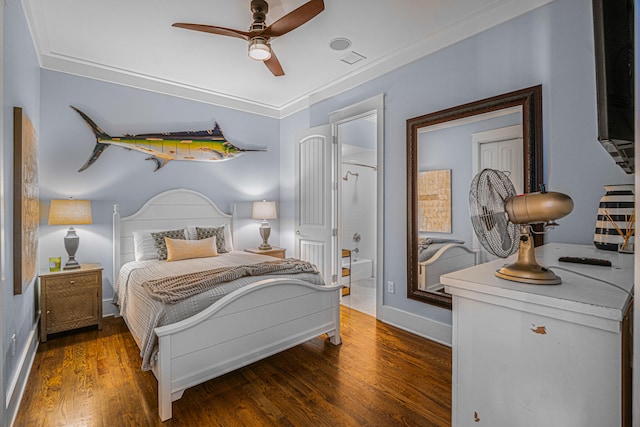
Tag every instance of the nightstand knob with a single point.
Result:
(71, 282)
(48, 311)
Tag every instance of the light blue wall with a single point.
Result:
(452, 148)
(124, 177)
(361, 133)
(552, 46)
(21, 88)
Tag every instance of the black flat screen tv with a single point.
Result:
(614, 55)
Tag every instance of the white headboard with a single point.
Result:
(168, 210)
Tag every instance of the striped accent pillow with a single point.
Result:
(161, 245)
(217, 232)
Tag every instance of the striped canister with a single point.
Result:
(618, 202)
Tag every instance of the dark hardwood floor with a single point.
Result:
(379, 376)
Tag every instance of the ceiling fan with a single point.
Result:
(259, 35)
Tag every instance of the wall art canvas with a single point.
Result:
(200, 145)
(434, 201)
(26, 201)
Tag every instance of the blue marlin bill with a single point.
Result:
(200, 146)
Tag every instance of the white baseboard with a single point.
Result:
(421, 326)
(16, 387)
(109, 308)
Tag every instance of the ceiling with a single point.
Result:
(133, 43)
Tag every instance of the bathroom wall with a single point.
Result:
(359, 204)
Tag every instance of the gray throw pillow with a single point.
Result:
(161, 245)
(217, 232)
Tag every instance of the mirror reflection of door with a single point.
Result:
(499, 149)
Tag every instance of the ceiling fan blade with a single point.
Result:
(274, 65)
(294, 19)
(214, 30)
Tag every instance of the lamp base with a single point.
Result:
(71, 243)
(265, 231)
(72, 264)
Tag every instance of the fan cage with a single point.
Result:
(487, 196)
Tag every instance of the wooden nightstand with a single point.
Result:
(70, 299)
(274, 251)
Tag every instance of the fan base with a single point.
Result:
(531, 274)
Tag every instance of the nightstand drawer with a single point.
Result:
(73, 280)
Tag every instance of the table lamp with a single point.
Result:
(70, 212)
(264, 210)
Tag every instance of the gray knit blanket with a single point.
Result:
(173, 289)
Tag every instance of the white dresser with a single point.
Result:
(542, 355)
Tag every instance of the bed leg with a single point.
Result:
(334, 337)
(164, 380)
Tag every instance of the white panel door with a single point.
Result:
(510, 161)
(501, 149)
(505, 156)
(314, 200)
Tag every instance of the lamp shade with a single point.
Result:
(264, 210)
(70, 212)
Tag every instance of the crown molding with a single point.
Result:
(494, 14)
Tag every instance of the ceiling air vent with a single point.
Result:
(340, 43)
(352, 57)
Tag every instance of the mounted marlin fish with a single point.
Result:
(199, 146)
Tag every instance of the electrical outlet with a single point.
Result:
(391, 287)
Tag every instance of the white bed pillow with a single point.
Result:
(192, 234)
(144, 247)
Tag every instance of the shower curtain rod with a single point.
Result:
(375, 168)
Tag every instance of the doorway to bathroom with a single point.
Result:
(358, 194)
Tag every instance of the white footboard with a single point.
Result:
(449, 258)
(247, 325)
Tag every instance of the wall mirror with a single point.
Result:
(444, 151)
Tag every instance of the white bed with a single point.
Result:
(447, 258)
(247, 325)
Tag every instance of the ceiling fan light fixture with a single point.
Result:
(259, 49)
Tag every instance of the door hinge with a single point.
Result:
(334, 232)
(334, 139)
